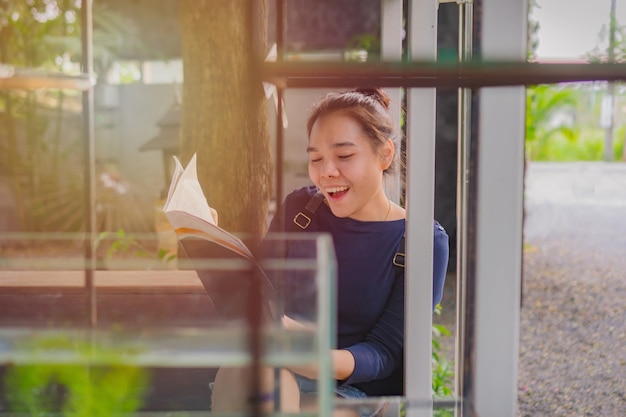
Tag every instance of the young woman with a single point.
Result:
(351, 147)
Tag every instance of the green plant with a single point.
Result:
(368, 42)
(601, 52)
(121, 243)
(588, 146)
(543, 104)
(442, 369)
(99, 383)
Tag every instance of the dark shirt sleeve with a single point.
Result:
(441, 254)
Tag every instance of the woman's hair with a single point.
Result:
(369, 107)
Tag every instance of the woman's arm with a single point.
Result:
(441, 255)
(343, 366)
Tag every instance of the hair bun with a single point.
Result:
(377, 94)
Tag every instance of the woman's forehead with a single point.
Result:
(334, 145)
(335, 129)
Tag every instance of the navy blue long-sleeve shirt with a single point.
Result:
(370, 294)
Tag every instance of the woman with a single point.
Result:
(351, 147)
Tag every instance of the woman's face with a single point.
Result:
(344, 166)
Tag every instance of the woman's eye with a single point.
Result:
(345, 156)
(314, 160)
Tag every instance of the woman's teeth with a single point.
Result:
(334, 190)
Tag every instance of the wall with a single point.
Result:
(126, 118)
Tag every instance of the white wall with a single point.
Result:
(128, 121)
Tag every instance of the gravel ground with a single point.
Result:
(573, 319)
(572, 332)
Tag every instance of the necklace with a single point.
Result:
(388, 211)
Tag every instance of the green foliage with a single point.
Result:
(99, 383)
(548, 142)
(578, 139)
(600, 52)
(589, 146)
(166, 255)
(543, 104)
(122, 243)
(368, 42)
(46, 34)
(443, 412)
(443, 370)
(533, 31)
(28, 26)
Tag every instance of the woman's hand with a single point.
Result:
(342, 362)
(214, 215)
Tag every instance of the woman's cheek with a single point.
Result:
(313, 174)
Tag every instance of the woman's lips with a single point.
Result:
(336, 193)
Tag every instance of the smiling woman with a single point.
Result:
(349, 151)
(350, 147)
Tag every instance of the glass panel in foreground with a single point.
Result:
(166, 322)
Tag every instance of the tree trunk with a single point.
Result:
(224, 116)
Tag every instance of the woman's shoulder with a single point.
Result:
(300, 196)
(296, 200)
(439, 232)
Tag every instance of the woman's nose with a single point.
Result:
(329, 169)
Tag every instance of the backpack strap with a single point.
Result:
(303, 218)
(398, 258)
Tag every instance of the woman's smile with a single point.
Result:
(336, 193)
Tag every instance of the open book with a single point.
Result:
(189, 213)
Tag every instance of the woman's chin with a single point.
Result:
(338, 212)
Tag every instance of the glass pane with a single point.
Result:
(161, 334)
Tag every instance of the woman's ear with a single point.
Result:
(387, 152)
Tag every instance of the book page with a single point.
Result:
(189, 213)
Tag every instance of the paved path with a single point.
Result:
(574, 200)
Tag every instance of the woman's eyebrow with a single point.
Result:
(334, 145)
